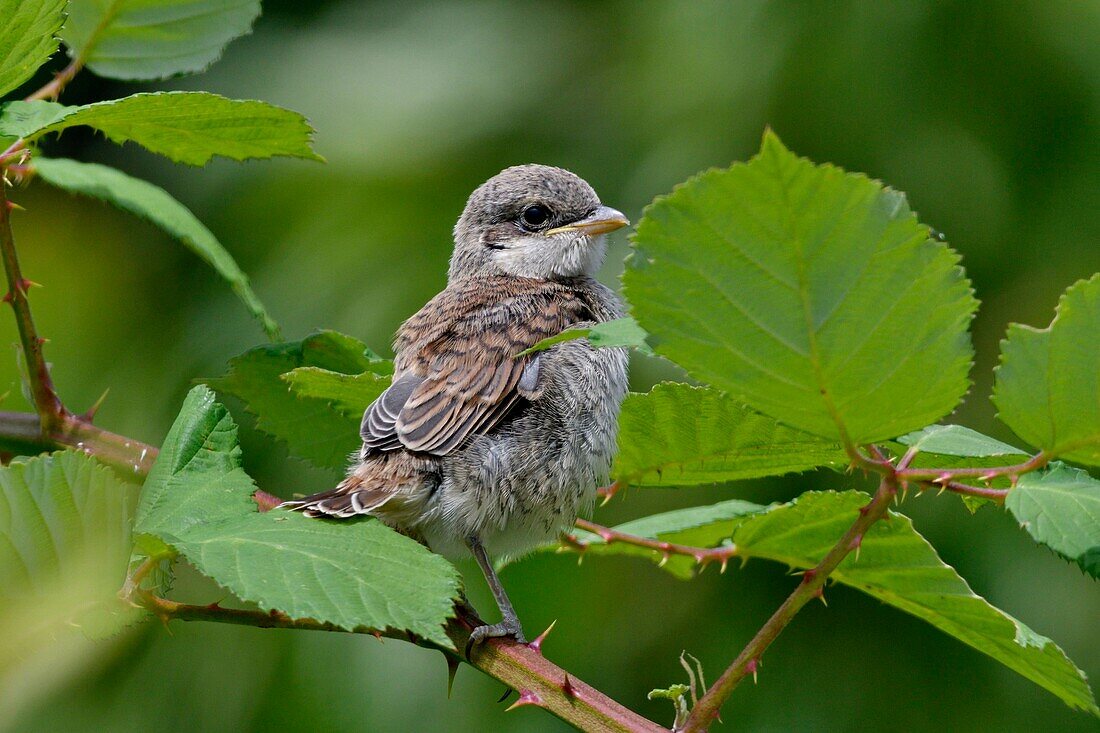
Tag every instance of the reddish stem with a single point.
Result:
(706, 710)
(524, 669)
(47, 404)
(52, 90)
(701, 555)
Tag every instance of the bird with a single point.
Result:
(478, 446)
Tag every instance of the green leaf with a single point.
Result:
(678, 435)
(311, 427)
(188, 127)
(811, 294)
(22, 119)
(28, 36)
(954, 446)
(1061, 509)
(619, 332)
(197, 478)
(65, 522)
(956, 440)
(1047, 386)
(895, 565)
(154, 39)
(350, 394)
(352, 574)
(156, 206)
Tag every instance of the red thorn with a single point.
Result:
(987, 477)
(8, 297)
(943, 479)
(381, 639)
(751, 667)
(536, 645)
(819, 594)
(215, 606)
(526, 697)
(1013, 478)
(608, 492)
(568, 689)
(809, 575)
(864, 509)
(606, 535)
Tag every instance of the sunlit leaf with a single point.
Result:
(28, 36)
(1048, 383)
(619, 332)
(157, 206)
(352, 573)
(679, 435)
(154, 39)
(188, 127)
(813, 295)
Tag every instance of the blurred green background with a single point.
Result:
(986, 113)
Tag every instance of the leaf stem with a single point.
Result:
(747, 662)
(47, 404)
(52, 90)
(703, 556)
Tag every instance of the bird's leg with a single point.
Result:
(509, 624)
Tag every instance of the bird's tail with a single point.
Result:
(349, 498)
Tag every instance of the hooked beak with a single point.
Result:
(603, 220)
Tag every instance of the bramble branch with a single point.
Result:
(46, 402)
(520, 666)
(702, 556)
(811, 586)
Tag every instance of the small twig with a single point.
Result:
(21, 433)
(997, 495)
(702, 556)
(47, 404)
(944, 476)
(52, 90)
(748, 661)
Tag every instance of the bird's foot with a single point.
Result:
(507, 627)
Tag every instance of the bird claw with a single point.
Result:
(507, 627)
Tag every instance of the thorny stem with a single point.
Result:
(703, 556)
(747, 662)
(50, 411)
(520, 666)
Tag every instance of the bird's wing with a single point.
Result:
(460, 375)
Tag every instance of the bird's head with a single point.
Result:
(533, 221)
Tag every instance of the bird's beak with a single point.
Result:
(603, 220)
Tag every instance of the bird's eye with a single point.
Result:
(535, 216)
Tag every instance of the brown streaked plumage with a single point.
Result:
(472, 447)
